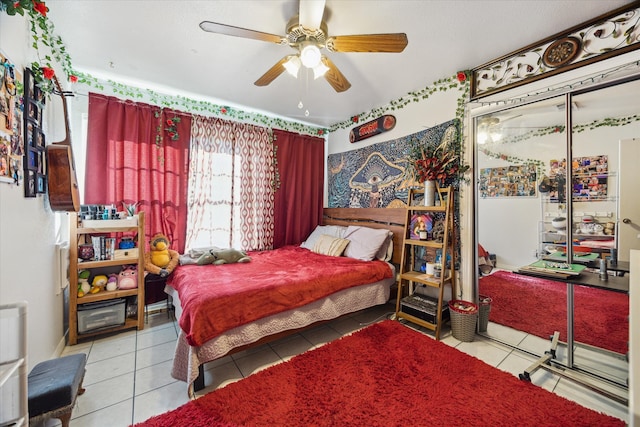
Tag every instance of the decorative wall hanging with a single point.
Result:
(372, 128)
(373, 176)
(11, 143)
(608, 35)
(35, 178)
(508, 181)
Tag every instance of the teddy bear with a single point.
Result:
(128, 278)
(223, 256)
(160, 259)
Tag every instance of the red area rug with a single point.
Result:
(384, 375)
(539, 306)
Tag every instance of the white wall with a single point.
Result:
(28, 230)
(415, 117)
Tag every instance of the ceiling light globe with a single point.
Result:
(310, 56)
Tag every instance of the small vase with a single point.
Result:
(429, 193)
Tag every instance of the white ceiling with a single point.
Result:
(160, 45)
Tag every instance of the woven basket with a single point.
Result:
(463, 322)
(483, 315)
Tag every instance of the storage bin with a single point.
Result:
(464, 315)
(483, 315)
(98, 315)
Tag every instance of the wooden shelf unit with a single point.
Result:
(409, 278)
(78, 233)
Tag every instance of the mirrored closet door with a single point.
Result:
(532, 202)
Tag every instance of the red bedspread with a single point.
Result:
(218, 298)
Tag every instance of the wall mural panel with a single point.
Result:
(372, 176)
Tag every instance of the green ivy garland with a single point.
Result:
(607, 121)
(43, 34)
(458, 81)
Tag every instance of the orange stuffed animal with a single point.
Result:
(160, 259)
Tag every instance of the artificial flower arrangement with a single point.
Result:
(41, 29)
(441, 163)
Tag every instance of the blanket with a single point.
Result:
(216, 298)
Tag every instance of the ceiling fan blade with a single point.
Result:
(230, 30)
(311, 12)
(335, 78)
(272, 72)
(394, 43)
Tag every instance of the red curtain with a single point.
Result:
(300, 198)
(132, 157)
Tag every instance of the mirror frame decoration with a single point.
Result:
(606, 36)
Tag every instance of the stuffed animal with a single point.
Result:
(160, 259)
(223, 256)
(112, 282)
(128, 278)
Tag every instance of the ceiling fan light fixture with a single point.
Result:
(293, 65)
(319, 70)
(310, 55)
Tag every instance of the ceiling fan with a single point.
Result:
(307, 33)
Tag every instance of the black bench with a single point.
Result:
(53, 386)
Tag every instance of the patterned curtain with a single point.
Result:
(231, 176)
(133, 157)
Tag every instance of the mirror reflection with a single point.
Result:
(529, 207)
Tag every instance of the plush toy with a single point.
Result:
(128, 278)
(98, 284)
(160, 259)
(112, 282)
(223, 256)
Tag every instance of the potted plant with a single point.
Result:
(430, 164)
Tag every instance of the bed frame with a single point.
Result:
(392, 219)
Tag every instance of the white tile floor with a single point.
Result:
(128, 375)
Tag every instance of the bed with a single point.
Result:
(225, 309)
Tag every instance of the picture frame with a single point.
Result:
(29, 183)
(41, 183)
(33, 159)
(40, 141)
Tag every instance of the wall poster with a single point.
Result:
(589, 184)
(508, 181)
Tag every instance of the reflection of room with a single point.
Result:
(581, 205)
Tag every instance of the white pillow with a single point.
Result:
(365, 242)
(328, 245)
(329, 230)
(385, 253)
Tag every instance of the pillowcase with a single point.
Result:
(329, 230)
(365, 242)
(328, 245)
(385, 253)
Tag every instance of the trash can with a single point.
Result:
(464, 315)
(483, 316)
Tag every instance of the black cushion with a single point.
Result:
(53, 384)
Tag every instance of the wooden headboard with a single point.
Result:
(392, 219)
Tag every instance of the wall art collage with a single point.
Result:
(35, 178)
(11, 140)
